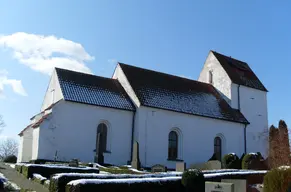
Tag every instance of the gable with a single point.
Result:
(53, 93)
(164, 91)
(239, 72)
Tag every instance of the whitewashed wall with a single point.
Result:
(253, 105)
(72, 131)
(56, 95)
(221, 81)
(35, 139)
(25, 146)
(196, 136)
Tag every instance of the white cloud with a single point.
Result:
(15, 84)
(43, 53)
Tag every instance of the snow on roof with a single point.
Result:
(93, 90)
(168, 92)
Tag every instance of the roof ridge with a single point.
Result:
(230, 57)
(163, 73)
(79, 72)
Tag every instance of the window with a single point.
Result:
(102, 129)
(210, 77)
(173, 145)
(217, 147)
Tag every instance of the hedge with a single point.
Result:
(193, 180)
(47, 171)
(59, 181)
(10, 159)
(168, 184)
(278, 180)
(18, 168)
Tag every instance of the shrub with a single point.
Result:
(231, 161)
(38, 178)
(129, 185)
(10, 159)
(193, 180)
(250, 158)
(59, 181)
(278, 180)
(47, 171)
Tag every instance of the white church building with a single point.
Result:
(172, 118)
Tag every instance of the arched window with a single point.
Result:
(217, 147)
(210, 77)
(102, 129)
(173, 145)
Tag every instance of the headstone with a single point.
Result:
(135, 162)
(209, 165)
(180, 166)
(219, 187)
(99, 153)
(74, 163)
(159, 168)
(240, 185)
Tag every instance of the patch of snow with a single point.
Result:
(284, 167)
(38, 176)
(47, 182)
(59, 166)
(135, 170)
(253, 153)
(2, 178)
(133, 180)
(10, 164)
(104, 172)
(10, 186)
(128, 166)
(249, 172)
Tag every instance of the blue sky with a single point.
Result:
(169, 36)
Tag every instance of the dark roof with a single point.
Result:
(164, 91)
(94, 90)
(239, 72)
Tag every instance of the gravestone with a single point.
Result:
(159, 168)
(240, 185)
(180, 166)
(74, 163)
(135, 162)
(99, 152)
(219, 187)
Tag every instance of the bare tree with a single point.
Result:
(8, 147)
(2, 124)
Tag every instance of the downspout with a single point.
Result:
(245, 128)
(132, 134)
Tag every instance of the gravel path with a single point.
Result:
(20, 180)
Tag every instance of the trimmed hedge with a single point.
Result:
(278, 180)
(128, 185)
(231, 161)
(193, 180)
(44, 161)
(47, 171)
(18, 168)
(58, 182)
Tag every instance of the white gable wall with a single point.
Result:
(221, 81)
(53, 93)
(72, 132)
(196, 136)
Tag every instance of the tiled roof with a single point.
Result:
(239, 72)
(94, 90)
(164, 91)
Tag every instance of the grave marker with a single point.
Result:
(135, 162)
(159, 168)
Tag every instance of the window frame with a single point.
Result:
(173, 149)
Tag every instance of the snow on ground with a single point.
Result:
(133, 180)
(11, 165)
(210, 175)
(38, 176)
(284, 167)
(8, 185)
(58, 166)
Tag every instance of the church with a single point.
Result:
(172, 118)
